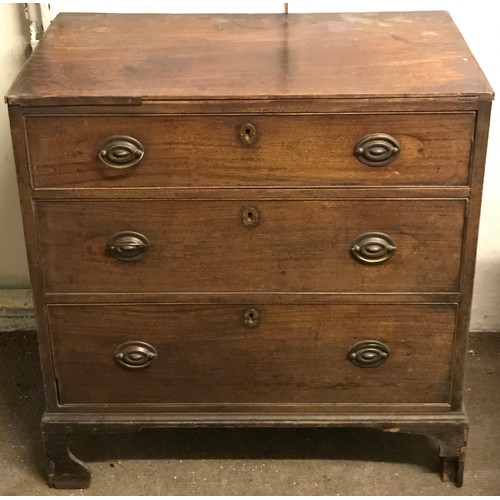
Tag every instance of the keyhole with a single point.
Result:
(249, 216)
(251, 318)
(248, 134)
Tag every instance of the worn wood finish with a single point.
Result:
(31, 239)
(449, 430)
(313, 84)
(288, 105)
(244, 194)
(243, 297)
(439, 423)
(290, 151)
(64, 469)
(258, 56)
(296, 354)
(204, 246)
(470, 248)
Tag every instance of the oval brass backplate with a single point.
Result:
(135, 354)
(368, 353)
(127, 246)
(373, 248)
(377, 150)
(121, 152)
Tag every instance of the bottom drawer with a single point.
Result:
(258, 354)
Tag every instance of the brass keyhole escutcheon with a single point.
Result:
(248, 134)
(250, 216)
(251, 318)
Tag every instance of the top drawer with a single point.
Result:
(250, 151)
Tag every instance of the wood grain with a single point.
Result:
(99, 58)
(297, 246)
(297, 354)
(287, 105)
(299, 150)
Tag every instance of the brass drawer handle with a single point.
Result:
(121, 151)
(251, 318)
(135, 354)
(373, 248)
(248, 134)
(377, 150)
(250, 216)
(127, 246)
(368, 353)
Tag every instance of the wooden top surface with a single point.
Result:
(111, 58)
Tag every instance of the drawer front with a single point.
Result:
(224, 151)
(262, 246)
(188, 354)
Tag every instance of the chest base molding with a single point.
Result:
(449, 430)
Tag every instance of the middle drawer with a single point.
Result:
(256, 246)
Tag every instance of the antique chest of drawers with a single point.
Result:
(251, 220)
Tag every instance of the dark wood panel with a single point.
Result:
(203, 246)
(238, 297)
(31, 241)
(306, 105)
(387, 421)
(86, 194)
(290, 151)
(297, 354)
(259, 56)
(470, 249)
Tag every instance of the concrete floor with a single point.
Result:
(248, 461)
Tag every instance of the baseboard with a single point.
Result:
(16, 310)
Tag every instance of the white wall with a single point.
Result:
(14, 36)
(476, 20)
(166, 7)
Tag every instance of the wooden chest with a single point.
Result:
(251, 220)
